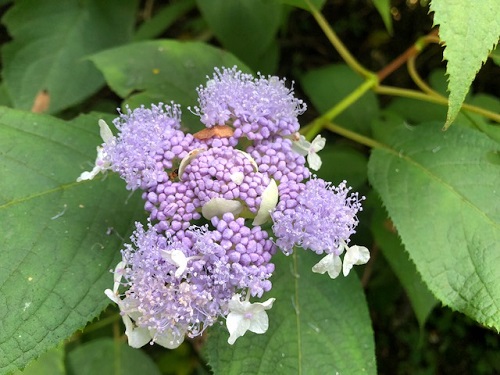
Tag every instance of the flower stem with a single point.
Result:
(315, 126)
(337, 43)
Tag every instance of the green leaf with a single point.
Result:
(343, 163)
(304, 4)
(104, 356)
(495, 55)
(387, 239)
(384, 9)
(163, 19)
(441, 191)
(470, 32)
(316, 326)
(162, 71)
(51, 362)
(255, 22)
(60, 238)
(326, 86)
(50, 42)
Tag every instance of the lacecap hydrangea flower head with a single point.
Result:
(212, 198)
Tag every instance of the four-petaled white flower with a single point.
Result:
(101, 162)
(245, 316)
(302, 146)
(331, 263)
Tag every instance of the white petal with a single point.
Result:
(112, 296)
(118, 274)
(314, 161)
(169, 340)
(187, 159)
(318, 143)
(331, 264)
(137, 336)
(105, 131)
(268, 203)
(237, 178)
(301, 146)
(355, 255)
(219, 206)
(178, 259)
(237, 325)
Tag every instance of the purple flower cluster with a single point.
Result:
(212, 197)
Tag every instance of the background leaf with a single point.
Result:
(254, 21)
(50, 42)
(469, 32)
(384, 9)
(316, 326)
(162, 71)
(60, 238)
(51, 362)
(105, 356)
(328, 85)
(303, 4)
(443, 197)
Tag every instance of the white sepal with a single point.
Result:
(355, 255)
(331, 264)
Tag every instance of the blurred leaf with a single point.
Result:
(490, 103)
(162, 71)
(470, 33)
(441, 191)
(244, 27)
(105, 356)
(343, 163)
(495, 55)
(316, 326)
(56, 254)
(163, 19)
(50, 42)
(51, 362)
(303, 4)
(4, 96)
(384, 9)
(326, 86)
(387, 239)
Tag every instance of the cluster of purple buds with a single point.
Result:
(212, 197)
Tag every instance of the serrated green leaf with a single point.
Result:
(442, 192)
(104, 356)
(470, 32)
(50, 42)
(255, 22)
(328, 85)
(316, 326)
(60, 238)
(162, 71)
(419, 295)
(384, 9)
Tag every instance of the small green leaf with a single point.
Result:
(50, 42)
(60, 238)
(387, 239)
(328, 85)
(162, 71)
(104, 356)
(470, 32)
(442, 192)
(316, 326)
(255, 22)
(384, 9)
(163, 19)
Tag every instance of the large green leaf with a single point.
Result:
(389, 243)
(255, 22)
(162, 71)
(109, 357)
(328, 85)
(60, 238)
(470, 31)
(442, 192)
(50, 41)
(316, 326)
